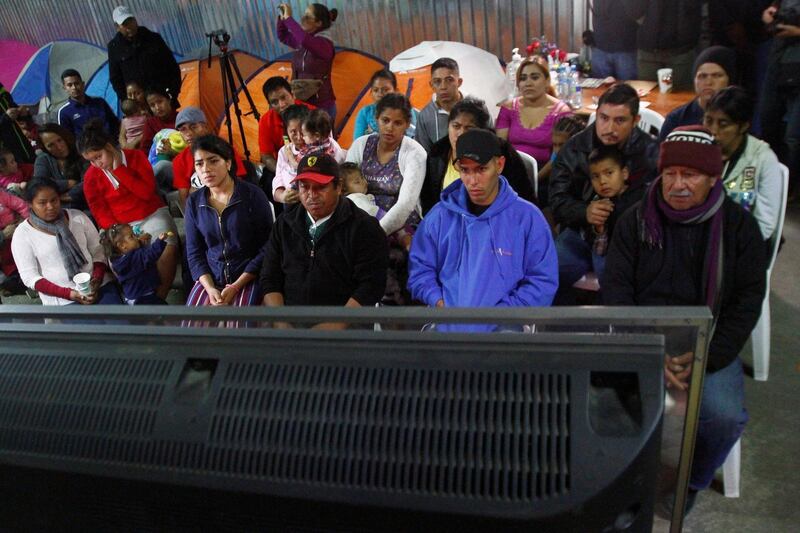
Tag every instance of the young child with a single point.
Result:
(133, 261)
(13, 210)
(317, 134)
(132, 126)
(13, 176)
(354, 186)
(290, 154)
(563, 130)
(608, 171)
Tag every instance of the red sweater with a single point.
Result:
(135, 199)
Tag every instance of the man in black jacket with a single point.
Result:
(570, 183)
(138, 54)
(325, 251)
(687, 243)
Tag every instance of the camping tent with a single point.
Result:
(483, 77)
(40, 80)
(15, 55)
(350, 75)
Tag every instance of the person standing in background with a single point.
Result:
(614, 51)
(314, 51)
(139, 54)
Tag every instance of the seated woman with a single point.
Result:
(55, 244)
(382, 83)
(527, 121)
(228, 223)
(61, 162)
(393, 164)
(468, 113)
(751, 175)
(120, 189)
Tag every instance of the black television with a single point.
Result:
(137, 428)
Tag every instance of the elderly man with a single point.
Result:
(138, 54)
(81, 108)
(482, 245)
(714, 69)
(687, 243)
(571, 190)
(325, 251)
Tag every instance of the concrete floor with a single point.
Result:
(770, 478)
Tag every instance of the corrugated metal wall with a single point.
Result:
(380, 27)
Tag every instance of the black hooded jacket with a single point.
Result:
(147, 59)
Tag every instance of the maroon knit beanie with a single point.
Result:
(692, 147)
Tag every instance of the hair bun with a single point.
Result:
(334, 13)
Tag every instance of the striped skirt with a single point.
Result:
(199, 297)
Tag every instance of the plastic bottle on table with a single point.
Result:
(511, 72)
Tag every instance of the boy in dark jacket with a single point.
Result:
(613, 196)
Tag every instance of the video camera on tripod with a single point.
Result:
(229, 67)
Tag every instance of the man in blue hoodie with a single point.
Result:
(482, 245)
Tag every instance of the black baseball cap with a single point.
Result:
(320, 168)
(478, 145)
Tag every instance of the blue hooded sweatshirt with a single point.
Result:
(503, 258)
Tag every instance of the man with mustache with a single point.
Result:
(687, 243)
(324, 251)
(571, 185)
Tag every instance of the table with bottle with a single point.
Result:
(568, 87)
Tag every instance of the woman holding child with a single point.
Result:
(120, 189)
(392, 163)
(53, 245)
(228, 223)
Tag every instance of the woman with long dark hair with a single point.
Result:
(314, 51)
(61, 162)
(228, 223)
(120, 189)
(53, 245)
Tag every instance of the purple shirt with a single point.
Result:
(312, 59)
(536, 142)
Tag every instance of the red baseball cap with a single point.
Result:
(320, 168)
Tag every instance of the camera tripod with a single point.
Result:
(228, 68)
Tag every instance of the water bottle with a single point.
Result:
(576, 98)
(511, 72)
(561, 85)
(570, 84)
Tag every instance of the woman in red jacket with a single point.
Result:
(120, 189)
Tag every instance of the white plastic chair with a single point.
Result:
(532, 168)
(761, 333)
(650, 121)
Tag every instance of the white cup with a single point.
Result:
(83, 281)
(664, 79)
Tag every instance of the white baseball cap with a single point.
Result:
(121, 14)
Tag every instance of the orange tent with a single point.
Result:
(350, 75)
(202, 86)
